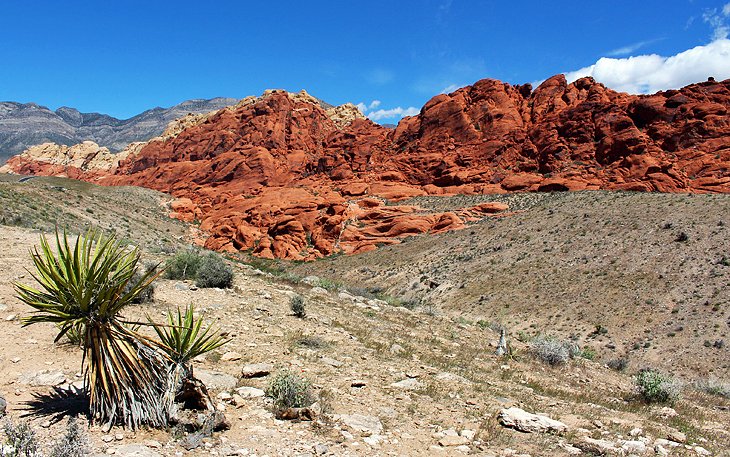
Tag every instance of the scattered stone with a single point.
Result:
(15, 359)
(331, 362)
(408, 384)
(230, 356)
(677, 437)
(468, 434)
(107, 438)
(256, 370)
(224, 396)
(358, 383)
(154, 444)
(453, 441)
(634, 447)
(11, 317)
(302, 414)
(451, 377)
(43, 378)
(311, 280)
(365, 425)
(119, 436)
(598, 424)
(667, 413)
(321, 449)
(699, 450)
(396, 348)
(215, 380)
(3, 406)
(181, 286)
(660, 450)
(373, 440)
(597, 447)
(319, 291)
(135, 450)
(523, 421)
(636, 431)
(250, 392)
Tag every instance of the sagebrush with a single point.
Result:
(656, 387)
(289, 390)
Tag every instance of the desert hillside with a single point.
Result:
(389, 380)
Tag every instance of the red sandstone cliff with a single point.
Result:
(287, 178)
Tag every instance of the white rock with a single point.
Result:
(365, 425)
(453, 441)
(660, 450)
(634, 447)
(216, 380)
(43, 378)
(256, 370)
(468, 434)
(250, 392)
(135, 450)
(319, 291)
(530, 423)
(230, 356)
(699, 450)
(373, 440)
(636, 431)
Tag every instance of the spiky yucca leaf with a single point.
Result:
(183, 338)
(83, 288)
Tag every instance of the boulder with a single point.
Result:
(256, 370)
(523, 421)
(365, 425)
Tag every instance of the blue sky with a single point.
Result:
(122, 57)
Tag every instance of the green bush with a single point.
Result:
(208, 270)
(289, 390)
(213, 271)
(183, 265)
(297, 306)
(655, 387)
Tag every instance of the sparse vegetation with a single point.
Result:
(656, 387)
(715, 387)
(213, 271)
(296, 304)
(552, 350)
(619, 364)
(289, 390)
(74, 442)
(20, 441)
(208, 270)
(183, 265)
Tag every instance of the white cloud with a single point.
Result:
(393, 113)
(631, 48)
(651, 73)
(362, 107)
(718, 20)
(450, 88)
(374, 104)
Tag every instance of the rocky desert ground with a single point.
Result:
(397, 377)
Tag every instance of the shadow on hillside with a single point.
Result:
(58, 403)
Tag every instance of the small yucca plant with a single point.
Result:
(184, 338)
(83, 289)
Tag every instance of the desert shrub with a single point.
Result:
(183, 265)
(619, 364)
(289, 390)
(20, 441)
(184, 338)
(588, 353)
(714, 387)
(553, 351)
(306, 340)
(656, 387)
(213, 271)
(74, 442)
(296, 304)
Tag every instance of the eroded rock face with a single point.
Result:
(288, 176)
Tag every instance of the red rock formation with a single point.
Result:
(281, 176)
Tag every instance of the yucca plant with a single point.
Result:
(85, 287)
(183, 339)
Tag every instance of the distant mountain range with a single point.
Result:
(27, 124)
